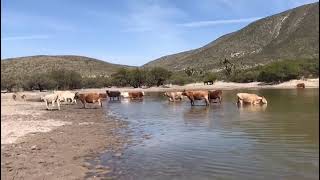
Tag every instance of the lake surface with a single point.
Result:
(277, 141)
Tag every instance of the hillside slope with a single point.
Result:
(292, 34)
(84, 65)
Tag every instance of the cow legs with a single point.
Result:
(58, 104)
(220, 99)
(99, 101)
(47, 105)
(207, 102)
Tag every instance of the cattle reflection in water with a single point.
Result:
(252, 108)
(196, 114)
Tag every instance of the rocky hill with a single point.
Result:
(84, 65)
(292, 34)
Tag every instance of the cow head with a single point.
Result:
(262, 100)
(184, 93)
(76, 95)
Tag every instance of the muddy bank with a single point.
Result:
(40, 144)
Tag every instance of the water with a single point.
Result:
(277, 141)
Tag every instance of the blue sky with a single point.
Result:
(129, 32)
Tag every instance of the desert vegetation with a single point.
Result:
(275, 72)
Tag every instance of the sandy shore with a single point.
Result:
(41, 144)
(309, 83)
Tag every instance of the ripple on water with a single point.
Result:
(221, 141)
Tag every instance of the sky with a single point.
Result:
(131, 32)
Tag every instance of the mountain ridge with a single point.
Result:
(275, 37)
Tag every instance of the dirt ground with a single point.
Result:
(41, 144)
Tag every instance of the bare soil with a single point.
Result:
(41, 144)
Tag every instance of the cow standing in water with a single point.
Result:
(173, 96)
(133, 95)
(89, 98)
(197, 95)
(246, 98)
(114, 94)
(301, 85)
(217, 94)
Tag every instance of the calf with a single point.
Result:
(250, 99)
(113, 94)
(197, 95)
(51, 99)
(173, 96)
(88, 98)
(217, 94)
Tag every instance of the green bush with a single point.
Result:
(210, 76)
(180, 78)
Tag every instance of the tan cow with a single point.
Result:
(246, 98)
(173, 96)
(197, 95)
(89, 98)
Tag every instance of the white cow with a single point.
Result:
(51, 99)
(65, 96)
(250, 99)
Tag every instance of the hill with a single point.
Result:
(84, 65)
(293, 34)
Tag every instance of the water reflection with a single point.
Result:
(224, 141)
(252, 108)
(196, 114)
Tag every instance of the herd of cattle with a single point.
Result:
(208, 96)
(57, 97)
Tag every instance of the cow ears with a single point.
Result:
(260, 98)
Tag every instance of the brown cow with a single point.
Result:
(14, 96)
(197, 95)
(136, 95)
(103, 95)
(173, 96)
(301, 85)
(89, 98)
(113, 94)
(217, 94)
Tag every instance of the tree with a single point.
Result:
(157, 76)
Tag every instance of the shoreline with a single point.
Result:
(41, 144)
(309, 83)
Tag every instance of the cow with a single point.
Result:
(208, 82)
(113, 94)
(173, 96)
(301, 85)
(197, 95)
(23, 97)
(103, 95)
(124, 94)
(133, 95)
(217, 94)
(51, 99)
(246, 98)
(14, 96)
(66, 96)
(88, 98)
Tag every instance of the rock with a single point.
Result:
(118, 154)
(33, 147)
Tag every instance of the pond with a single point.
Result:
(222, 141)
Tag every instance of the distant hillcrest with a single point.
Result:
(84, 65)
(292, 34)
